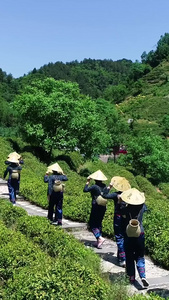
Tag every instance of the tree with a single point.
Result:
(148, 154)
(116, 126)
(153, 58)
(54, 114)
(165, 125)
(115, 93)
(138, 70)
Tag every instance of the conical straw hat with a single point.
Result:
(15, 154)
(120, 183)
(56, 167)
(49, 171)
(133, 196)
(98, 175)
(13, 159)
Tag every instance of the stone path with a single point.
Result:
(157, 277)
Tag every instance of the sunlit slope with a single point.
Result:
(150, 106)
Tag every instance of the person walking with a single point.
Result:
(120, 184)
(55, 192)
(14, 170)
(134, 238)
(21, 162)
(97, 210)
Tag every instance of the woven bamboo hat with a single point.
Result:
(56, 167)
(15, 154)
(49, 170)
(120, 183)
(13, 159)
(133, 196)
(98, 175)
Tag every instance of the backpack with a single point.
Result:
(15, 174)
(58, 186)
(100, 200)
(133, 229)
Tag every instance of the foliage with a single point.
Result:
(55, 114)
(164, 188)
(73, 159)
(162, 52)
(148, 154)
(165, 125)
(116, 126)
(115, 93)
(93, 76)
(138, 70)
(77, 205)
(45, 262)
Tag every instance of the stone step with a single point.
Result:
(157, 277)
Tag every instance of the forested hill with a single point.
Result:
(93, 76)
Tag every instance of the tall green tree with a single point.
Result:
(148, 154)
(54, 114)
(116, 125)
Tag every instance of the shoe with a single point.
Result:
(132, 279)
(100, 242)
(122, 263)
(54, 222)
(59, 224)
(145, 282)
(95, 244)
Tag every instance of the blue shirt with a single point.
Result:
(133, 212)
(10, 168)
(95, 190)
(114, 196)
(51, 180)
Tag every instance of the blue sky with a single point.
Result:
(36, 32)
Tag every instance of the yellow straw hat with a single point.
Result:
(98, 175)
(56, 167)
(120, 183)
(133, 196)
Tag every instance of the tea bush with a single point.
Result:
(164, 187)
(77, 205)
(28, 272)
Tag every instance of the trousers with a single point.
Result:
(119, 236)
(12, 188)
(56, 199)
(134, 249)
(96, 218)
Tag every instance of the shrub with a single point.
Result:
(70, 272)
(77, 205)
(164, 187)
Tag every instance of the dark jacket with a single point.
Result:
(97, 189)
(114, 196)
(51, 179)
(10, 169)
(132, 212)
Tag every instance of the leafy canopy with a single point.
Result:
(54, 114)
(148, 154)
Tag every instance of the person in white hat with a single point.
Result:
(55, 192)
(134, 241)
(97, 211)
(14, 170)
(21, 162)
(120, 184)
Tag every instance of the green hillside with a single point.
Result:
(152, 104)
